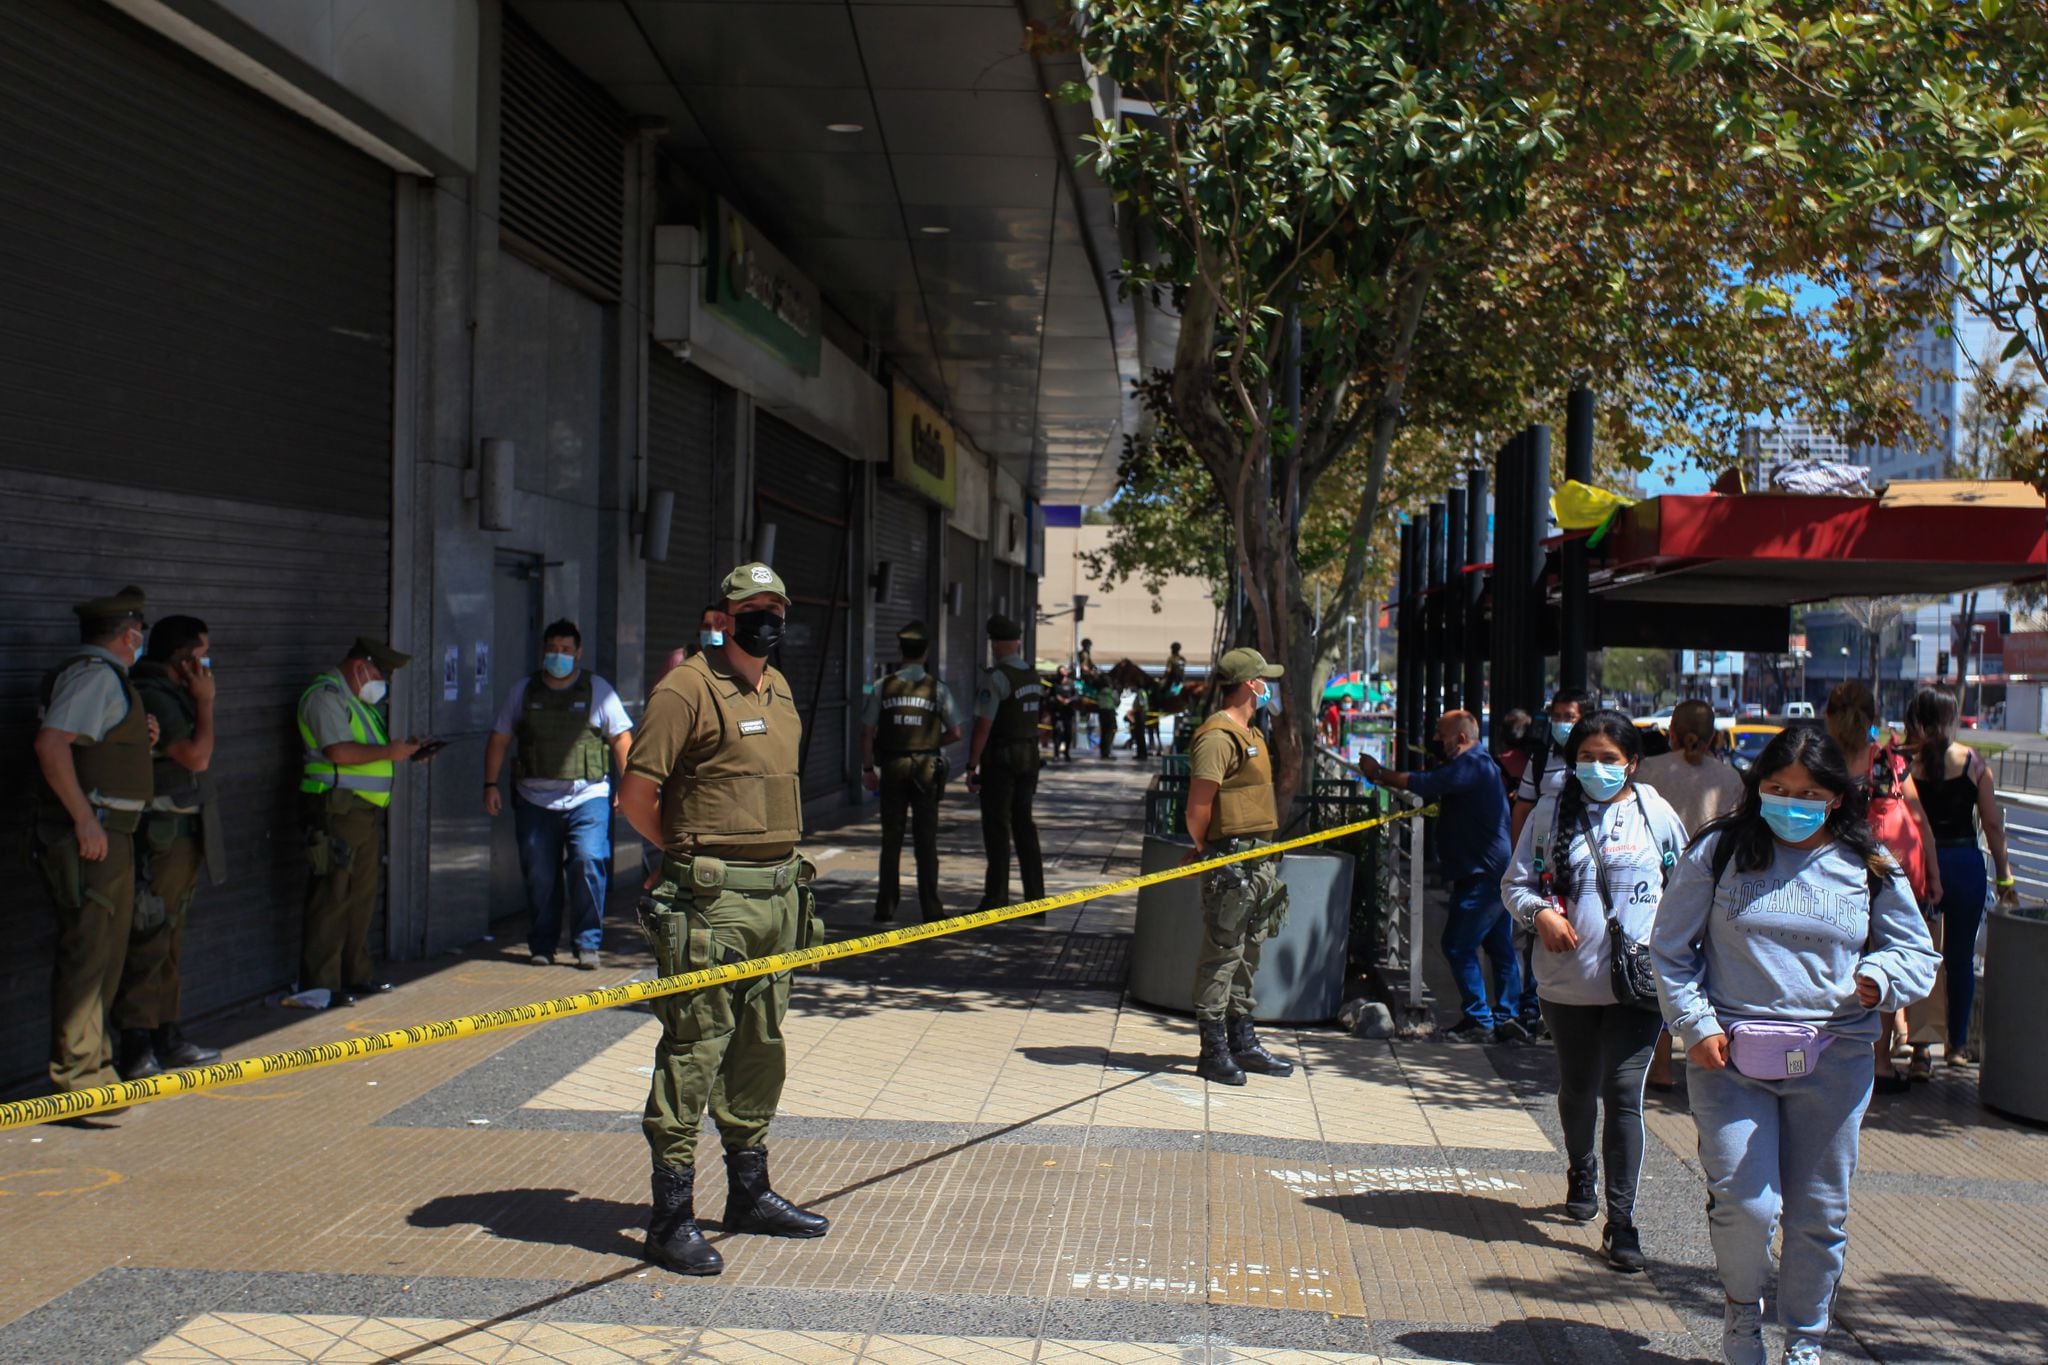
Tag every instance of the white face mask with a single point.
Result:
(373, 691)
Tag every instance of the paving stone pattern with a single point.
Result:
(1020, 1164)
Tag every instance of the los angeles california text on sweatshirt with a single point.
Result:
(1786, 943)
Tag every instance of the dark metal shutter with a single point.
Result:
(964, 633)
(561, 167)
(195, 396)
(804, 488)
(682, 433)
(185, 310)
(903, 541)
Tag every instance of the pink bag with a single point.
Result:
(1767, 1051)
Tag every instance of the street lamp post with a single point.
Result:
(1978, 631)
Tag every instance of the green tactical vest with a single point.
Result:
(559, 738)
(1244, 799)
(177, 787)
(115, 772)
(1016, 720)
(371, 781)
(911, 722)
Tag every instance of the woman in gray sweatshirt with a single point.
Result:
(1786, 929)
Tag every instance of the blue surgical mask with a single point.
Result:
(1794, 819)
(1265, 699)
(1602, 780)
(558, 665)
(711, 639)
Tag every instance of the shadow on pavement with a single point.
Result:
(1150, 1063)
(1460, 1213)
(1545, 1339)
(548, 1217)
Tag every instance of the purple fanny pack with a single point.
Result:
(1767, 1051)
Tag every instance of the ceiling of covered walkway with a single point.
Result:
(908, 158)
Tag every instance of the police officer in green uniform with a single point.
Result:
(174, 678)
(347, 784)
(1002, 765)
(1230, 808)
(713, 779)
(93, 750)
(908, 720)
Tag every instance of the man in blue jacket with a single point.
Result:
(1472, 844)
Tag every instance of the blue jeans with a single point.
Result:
(573, 845)
(1782, 1152)
(1479, 920)
(1963, 894)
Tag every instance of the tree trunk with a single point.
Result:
(1964, 620)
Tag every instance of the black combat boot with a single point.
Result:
(1216, 1063)
(1582, 1191)
(138, 1059)
(751, 1206)
(1250, 1054)
(673, 1237)
(174, 1050)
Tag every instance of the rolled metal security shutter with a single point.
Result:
(682, 433)
(903, 541)
(195, 396)
(561, 166)
(804, 488)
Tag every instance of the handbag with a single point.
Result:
(1769, 1050)
(1630, 973)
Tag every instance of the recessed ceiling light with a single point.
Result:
(935, 229)
(984, 303)
(843, 128)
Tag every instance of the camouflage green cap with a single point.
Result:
(387, 659)
(913, 634)
(1242, 665)
(125, 605)
(1001, 627)
(750, 580)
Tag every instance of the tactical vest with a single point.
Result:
(1016, 719)
(747, 791)
(177, 787)
(559, 737)
(911, 722)
(1244, 799)
(371, 781)
(115, 772)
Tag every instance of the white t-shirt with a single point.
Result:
(1699, 792)
(560, 793)
(1535, 786)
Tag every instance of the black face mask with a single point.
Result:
(757, 632)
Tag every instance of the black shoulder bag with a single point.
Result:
(1630, 973)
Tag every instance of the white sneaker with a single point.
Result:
(1802, 1353)
(1742, 1334)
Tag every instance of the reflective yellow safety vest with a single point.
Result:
(371, 781)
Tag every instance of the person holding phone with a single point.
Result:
(1786, 929)
(572, 730)
(346, 788)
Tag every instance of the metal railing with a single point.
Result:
(1388, 890)
(2027, 846)
(2019, 772)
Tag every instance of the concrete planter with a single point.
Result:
(1301, 973)
(2014, 1076)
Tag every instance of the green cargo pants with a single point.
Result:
(95, 912)
(911, 785)
(1009, 784)
(721, 1047)
(168, 856)
(1243, 905)
(344, 855)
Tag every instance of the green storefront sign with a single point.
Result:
(754, 287)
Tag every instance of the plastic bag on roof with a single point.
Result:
(1830, 478)
(1580, 506)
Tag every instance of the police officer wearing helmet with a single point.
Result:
(1231, 808)
(1002, 765)
(908, 720)
(346, 787)
(180, 834)
(713, 779)
(93, 752)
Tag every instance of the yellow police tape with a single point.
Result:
(78, 1103)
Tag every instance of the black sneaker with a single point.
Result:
(1582, 1192)
(1468, 1032)
(1624, 1249)
(1511, 1032)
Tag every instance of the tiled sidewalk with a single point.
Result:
(1020, 1164)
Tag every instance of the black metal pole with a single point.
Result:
(1407, 649)
(1433, 661)
(1576, 601)
(1475, 553)
(1507, 678)
(1454, 600)
(1535, 511)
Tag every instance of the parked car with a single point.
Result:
(1799, 710)
(1747, 740)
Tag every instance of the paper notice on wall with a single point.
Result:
(451, 673)
(483, 668)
